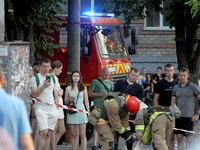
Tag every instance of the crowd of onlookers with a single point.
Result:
(47, 120)
(151, 89)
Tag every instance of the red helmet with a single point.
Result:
(111, 44)
(132, 104)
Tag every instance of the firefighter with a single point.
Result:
(155, 124)
(114, 109)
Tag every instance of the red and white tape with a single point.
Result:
(61, 106)
(177, 129)
(186, 131)
(78, 110)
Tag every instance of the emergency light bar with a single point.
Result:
(98, 14)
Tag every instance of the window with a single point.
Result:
(111, 46)
(157, 20)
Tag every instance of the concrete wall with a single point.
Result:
(2, 20)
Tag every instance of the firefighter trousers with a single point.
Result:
(106, 136)
(161, 131)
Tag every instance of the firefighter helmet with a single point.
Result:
(132, 104)
(111, 44)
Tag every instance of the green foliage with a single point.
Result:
(195, 10)
(130, 9)
(43, 15)
(184, 16)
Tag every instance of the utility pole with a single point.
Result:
(2, 18)
(73, 43)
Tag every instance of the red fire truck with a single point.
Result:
(102, 44)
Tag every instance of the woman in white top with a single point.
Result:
(56, 69)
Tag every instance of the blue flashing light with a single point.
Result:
(91, 14)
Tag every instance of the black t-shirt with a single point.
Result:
(146, 85)
(164, 89)
(156, 77)
(133, 89)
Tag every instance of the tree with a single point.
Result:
(29, 20)
(180, 17)
(73, 43)
(195, 10)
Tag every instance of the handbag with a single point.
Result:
(73, 105)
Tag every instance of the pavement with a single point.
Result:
(195, 145)
(90, 144)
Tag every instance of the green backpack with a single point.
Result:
(148, 113)
(38, 80)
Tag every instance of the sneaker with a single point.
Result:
(94, 147)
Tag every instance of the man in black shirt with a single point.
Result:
(163, 93)
(164, 88)
(129, 85)
(158, 76)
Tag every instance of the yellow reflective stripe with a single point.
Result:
(128, 138)
(122, 130)
(101, 119)
(139, 127)
(101, 122)
(109, 100)
(128, 128)
(154, 115)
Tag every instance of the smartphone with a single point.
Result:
(48, 78)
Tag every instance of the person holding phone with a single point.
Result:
(44, 88)
(56, 69)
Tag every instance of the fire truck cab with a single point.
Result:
(102, 44)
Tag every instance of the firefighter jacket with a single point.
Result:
(113, 112)
(144, 120)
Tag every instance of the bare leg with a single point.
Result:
(47, 140)
(180, 139)
(95, 137)
(171, 143)
(82, 131)
(35, 129)
(41, 139)
(74, 133)
(189, 139)
(52, 139)
(61, 130)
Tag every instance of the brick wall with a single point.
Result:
(154, 43)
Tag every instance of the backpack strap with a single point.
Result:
(54, 81)
(37, 80)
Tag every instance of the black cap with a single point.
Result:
(37, 63)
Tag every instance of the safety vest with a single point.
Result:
(146, 139)
(111, 97)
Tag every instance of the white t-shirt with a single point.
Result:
(47, 94)
(56, 78)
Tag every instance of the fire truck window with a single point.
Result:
(63, 37)
(84, 42)
(111, 46)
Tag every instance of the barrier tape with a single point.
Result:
(186, 131)
(78, 110)
(193, 132)
(61, 106)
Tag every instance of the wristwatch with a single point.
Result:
(198, 113)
